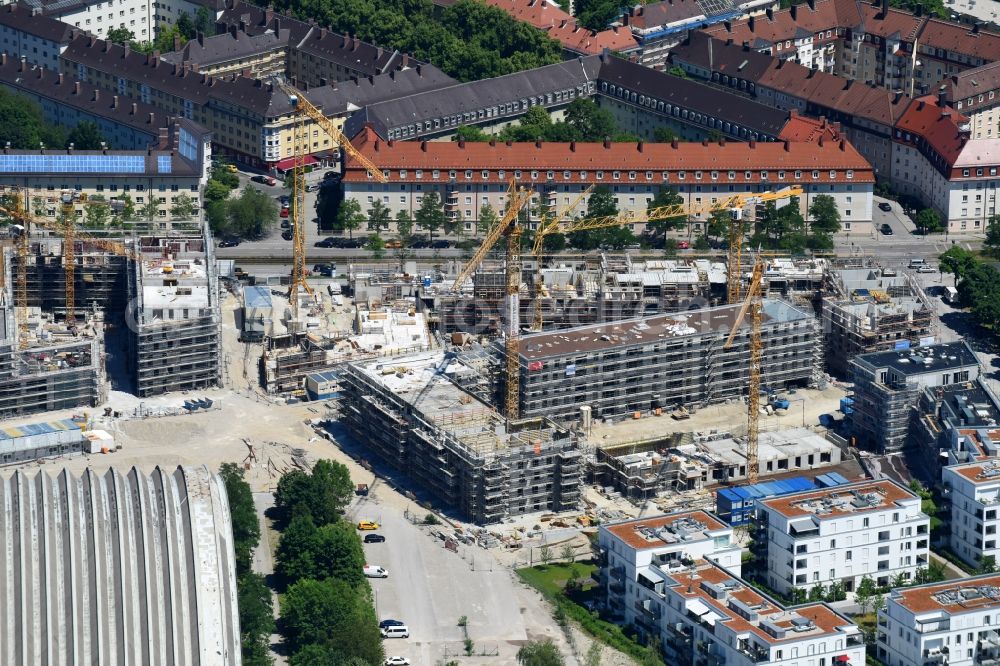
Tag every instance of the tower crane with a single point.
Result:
(306, 109)
(752, 304)
(517, 198)
(734, 204)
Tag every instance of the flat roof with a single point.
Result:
(667, 530)
(921, 360)
(841, 500)
(985, 472)
(648, 330)
(256, 296)
(810, 620)
(953, 596)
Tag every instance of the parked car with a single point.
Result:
(440, 244)
(285, 224)
(683, 245)
(393, 244)
(332, 176)
(375, 571)
(229, 241)
(266, 180)
(419, 243)
(374, 538)
(397, 661)
(326, 242)
(312, 187)
(885, 206)
(231, 168)
(287, 234)
(284, 212)
(283, 199)
(886, 229)
(927, 268)
(396, 632)
(368, 525)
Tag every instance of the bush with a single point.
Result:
(431, 519)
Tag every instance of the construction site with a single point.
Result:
(411, 414)
(872, 309)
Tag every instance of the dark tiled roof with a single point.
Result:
(778, 26)
(712, 54)
(227, 46)
(972, 82)
(20, 18)
(86, 97)
(462, 97)
(694, 96)
(656, 14)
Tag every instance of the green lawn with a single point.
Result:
(551, 579)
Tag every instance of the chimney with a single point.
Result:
(752, 23)
(793, 12)
(704, 142)
(843, 145)
(941, 96)
(788, 146)
(404, 60)
(346, 42)
(59, 82)
(638, 146)
(847, 85)
(423, 146)
(493, 142)
(746, 46)
(3, 56)
(125, 51)
(975, 29)
(673, 143)
(538, 143)
(114, 101)
(607, 142)
(729, 41)
(277, 27)
(233, 30)
(461, 144)
(572, 146)
(377, 142)
(920, 106)
(781, 63)
(378, 53)
(812, 72)
(69, 150)
(355, 44)
(323, 82)
(390, 143)
(420, 71)
(770, 14)
(728, 25)
(93, 42)
(97, 95)
(322, 33)
(821, 140)
(812, 5)
(200, 36)
(177, 42)
(753, 144)
(76, 88)
(898, 96)
(107, 46)
(268, 15)
(20, 65)
(722, 141)
(135, 109)
(152, 118)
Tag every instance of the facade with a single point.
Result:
(974, 490)
(118, 567)
(98, 18)
(27, 33)
(411, 413)
(235, 52)
(840, 535)
(887, 386)
(173, 316)
(126, 123)
(467, 176)
(47, 180)
(941, 623)
(660, 362)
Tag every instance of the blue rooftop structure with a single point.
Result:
(73, 163)
(736, 505)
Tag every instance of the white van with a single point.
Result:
(399, 631)
(375, 571)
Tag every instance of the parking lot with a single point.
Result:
(429, 588)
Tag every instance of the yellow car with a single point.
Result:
(231, 168)
(368, 525)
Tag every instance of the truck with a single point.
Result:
(950, 295)
(361, 490)
(375, 571)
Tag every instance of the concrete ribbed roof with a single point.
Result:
(117, 568)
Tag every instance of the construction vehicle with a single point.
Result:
(734, 204)
(306, 109)
(752, 305)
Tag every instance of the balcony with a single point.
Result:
(754, 653)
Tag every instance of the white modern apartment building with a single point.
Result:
(873, 528)
(954, 623)
(639, 553)
(975, 502)
(711, 618)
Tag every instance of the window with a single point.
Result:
(850, 174)
(616, 174)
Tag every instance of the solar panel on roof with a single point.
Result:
(72, 164)
(163, 164)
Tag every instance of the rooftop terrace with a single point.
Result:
(843, 500)
(671, 529)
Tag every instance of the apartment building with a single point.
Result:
(974, 494)
(842, 534)
(703, 614)
(98, 17)
(949, 623)
(27, 33)
(467, 176)
(234, 52)
(887, 386)
(660, 362)
(975, 94)
(635, 554)
(127, 124)
(177, 168)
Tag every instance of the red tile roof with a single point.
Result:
(960, 38)
(655, 158)
(895, 22)
(628, 531)
(937, 126)
(785, 24)
(563, 27)
(801, 128)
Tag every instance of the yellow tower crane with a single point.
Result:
(517, 198)
(306, 109)
(734, 204)
(752, 304)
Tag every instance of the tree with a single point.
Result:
(256, 618)
(24, 126)
(337, 553)
(122, 36)
(404, 227)
(149, 210)
(825, 222)
(243, 515)
(667, 196)
(928, 221)
(591, 122)
(430, 216)
(221, 174)
(991, 244)
(349, 216)
(865, 594)
(568, 553)
(376, 246)
(957, 261)
(128, 207)
(554, 242)
(487, 219)
(215, 191)
(678, 72)
(539, 653)
(718, 226)
(987, 564)
(379, 217)
(471, 134)
(85, 136)
(97, 212)
(251, 214)
(296, 549)
(204, 20)
(331, 614)
(664, 135)
(185, 26)
(183, 208)
(545, 554)
(323, 493)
